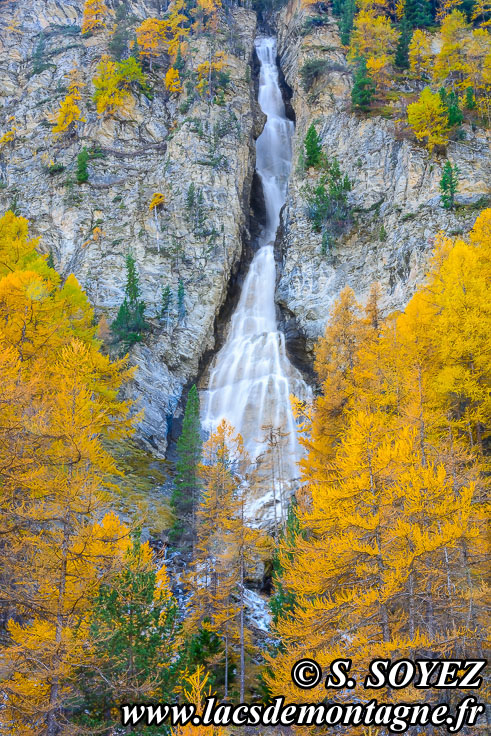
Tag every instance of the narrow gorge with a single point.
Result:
(252, 378)
(244, 359)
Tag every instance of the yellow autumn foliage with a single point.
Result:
(158, 36)
(58, 400)
(428, 119)
(113, 84)
(373, 36)
(157, 200)
(420, 53)
(7, 137)
(172, 81)
(68, 115)
(95, 15)
(391, 554)
(206, 70)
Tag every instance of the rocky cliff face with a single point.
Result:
(163, 145)
(395, 185)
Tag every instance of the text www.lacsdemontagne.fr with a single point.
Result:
(397, 718)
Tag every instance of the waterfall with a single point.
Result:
(251, 378)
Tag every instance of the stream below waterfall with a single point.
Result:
(251, 377)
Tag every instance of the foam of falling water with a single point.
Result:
(251, 377)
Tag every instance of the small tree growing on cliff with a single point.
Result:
(428, 119)
(363, 88)
(165, 312)
(195, 211)
(95, 16)
(327, 202)
(82, 170)
(130, 322)
(449, 184)
(313, 148)
(181, 304)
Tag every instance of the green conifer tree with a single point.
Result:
(179, 62)
(166, 304)
(313, 148)
(363, 87)
(181, 304)
(134, 627)
(204, 647)
(470, 100)
(449, 184)
(82, 170)
(190, 196)
(402, 51)
(327, 203)
(195, 210)
(451, 102)
(282, 601)
(346, 21)
(186, 482)
(130, 322)
(418, 13)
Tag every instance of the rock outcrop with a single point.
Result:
(163, 145)
(395, 191)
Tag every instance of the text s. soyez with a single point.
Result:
(421, 673)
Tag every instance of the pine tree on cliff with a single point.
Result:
(186, 483)
(130, 322)
(363, 87)
(448, 185)
(313, 148)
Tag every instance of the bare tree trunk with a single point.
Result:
(242, 653)
(51, 726)
(421, 421)
(429, 612)
(241, 583)
(226, 662)
(273, 480)
(157, 228)
(411, 605)
(380, 562)
(209, 79)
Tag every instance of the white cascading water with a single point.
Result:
(251, 378)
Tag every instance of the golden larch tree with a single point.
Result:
(390, 559)
(226, 550)
(95, 15)
(420, 53)
(428, 119)
(59, 540)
